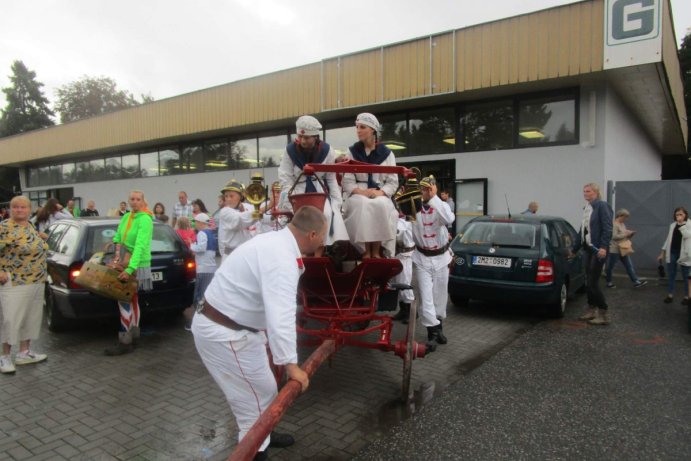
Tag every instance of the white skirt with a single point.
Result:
(22, 312)
(371, 220)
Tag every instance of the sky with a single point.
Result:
(169, 47)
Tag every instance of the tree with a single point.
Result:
(27, 108)
(685, 63)
(92, 96)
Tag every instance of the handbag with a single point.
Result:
(625, 247)
(102, 280)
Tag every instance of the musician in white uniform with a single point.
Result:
(370, 216)
(234, 219)
(405, 245)
(431, 259)
(252, 296)
(308, 148)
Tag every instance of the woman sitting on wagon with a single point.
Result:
(308, 148)
(370, 216)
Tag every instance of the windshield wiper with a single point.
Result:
(510, 245)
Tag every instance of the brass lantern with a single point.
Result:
(410, 201)
(255, 193)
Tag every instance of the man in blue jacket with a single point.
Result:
(594, 236)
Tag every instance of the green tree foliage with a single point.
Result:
(92, 96)
(685, 62)
(27, 108)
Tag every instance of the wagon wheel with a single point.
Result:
(409, 354)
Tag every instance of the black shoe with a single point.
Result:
(430, 347)
(640, 283)
(261, 456)
(441, 339)
(403, 312)
(119, 349)
(435, 333)
(279, 440)
(668, 300)
(611, 285)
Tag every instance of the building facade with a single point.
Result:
(522, 109)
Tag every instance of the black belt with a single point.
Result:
(402, 249)
(436, 252)
(222, 319)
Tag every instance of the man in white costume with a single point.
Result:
(252, 296)
(405, 245)
(431, 259)
(308, 148)
(234, 219)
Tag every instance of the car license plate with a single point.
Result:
(491, 261)
(157, 276)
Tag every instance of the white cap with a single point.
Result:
(202, 217)
(369, 120)
(308, 126)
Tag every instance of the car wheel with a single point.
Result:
(458, 300)
(558, 308)
(54, 319)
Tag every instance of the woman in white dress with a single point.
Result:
(308, 148)
(370, 215)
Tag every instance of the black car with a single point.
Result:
(522, 259)
(74, 241)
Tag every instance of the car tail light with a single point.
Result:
(545, 271)
(74, 270)
(190, 270)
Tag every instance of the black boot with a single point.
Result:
(430, 345)
(261, 456)
(441, 339)
(279, 440)
(403, 312)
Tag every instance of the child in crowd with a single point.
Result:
(205, 258)
(184, 230)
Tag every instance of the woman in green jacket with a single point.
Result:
(133, 252)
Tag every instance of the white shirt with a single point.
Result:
(404, 233)
(256, 286)
(288, 173)
(233, 227)
(429, 229)
(585, 225)
(203, 258)
(388, 183)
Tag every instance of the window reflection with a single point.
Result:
(192, 159)
(216, 156)
(148, 164)
(271, 150)
(32, 177)
(55, 174)
(432, 132)
(68, 173)
(340, 139)
(546, 120)
(243, 154)
(169, 161)
(394, 133)
(83, 171)
(113, 167)
(488, 126)
(130, 166)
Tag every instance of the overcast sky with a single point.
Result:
(170, 47)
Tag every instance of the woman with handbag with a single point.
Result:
(22, 278)
(677, 251)
(133, 257)
(620, 248)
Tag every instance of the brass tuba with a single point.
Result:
(255, 193)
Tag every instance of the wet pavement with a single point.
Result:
(159, 403)
(567, 390)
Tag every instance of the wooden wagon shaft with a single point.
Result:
(248, 446)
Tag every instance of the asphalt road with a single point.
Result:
(566, 390)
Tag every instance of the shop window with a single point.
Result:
(113, 168)
(69, 174)
(271, 150)
(169, 161)
(432, 132)
(192, 159)
(548, 120)
(488, 126)
(216, 156)
(394, 133)
(243, 154)
(148, 164)
(130, 166)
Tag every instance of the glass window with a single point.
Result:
(98, 237)
(432, 132)
(216, 156)
(55, 174)
(43, 176)
(149, 164)
(68, 173)
(113, 168)
(243, 154)
(130, 166)
(192, 159)
(54, 234)
(83, 172)
(488, 126)
(340, 139)
(163, 240)
(32, 177)
(170, 161)
(69, 241)
(98, 168)
(271, 150)
(394, 133)
(546, 120)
